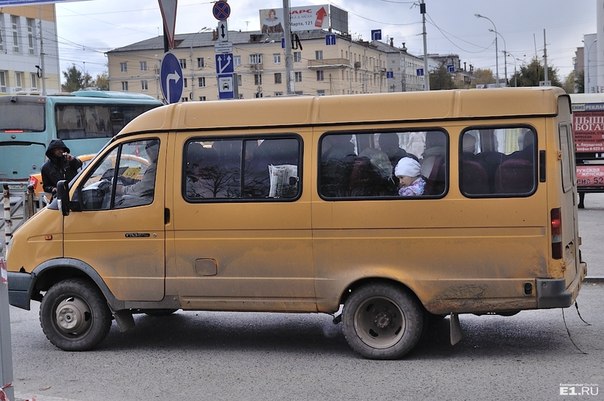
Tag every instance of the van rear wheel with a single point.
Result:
(382, 321)
(74, 315)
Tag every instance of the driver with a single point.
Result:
(141, 192)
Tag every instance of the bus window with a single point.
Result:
(94, 121)
(362, 164)
(21, 115)
(250, 169)
(498, 161)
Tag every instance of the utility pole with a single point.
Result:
(287, 37)
(545, 72)
(41, 70)
(422, 10)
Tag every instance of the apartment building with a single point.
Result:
(348, 66)
(29, 52)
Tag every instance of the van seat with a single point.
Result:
(514, 176)
(433, 170)
(474, 178)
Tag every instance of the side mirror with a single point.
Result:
(63, 197)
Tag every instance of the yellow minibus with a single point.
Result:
(390, 208)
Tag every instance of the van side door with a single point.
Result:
(242, 238)
(119, 228)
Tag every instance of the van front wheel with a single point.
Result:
(74, 315)
(382, 321)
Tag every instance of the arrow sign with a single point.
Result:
(223, 31)
(224, 63)
(170, 78)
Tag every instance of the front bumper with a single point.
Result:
(19, 289)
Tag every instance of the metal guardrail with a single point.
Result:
(19, 205)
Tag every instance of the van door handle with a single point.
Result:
(166, 216)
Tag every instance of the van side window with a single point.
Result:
(364, 164)
(124, 178)
(500, 161)
(257, 168)
(568, 159)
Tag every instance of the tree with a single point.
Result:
(533, 73)
(580, 81)
(102, 81)
(570, 84)
(483, 77)
(75, 79)
(441, 79)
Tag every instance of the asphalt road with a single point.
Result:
(237, 356)
(534, 355)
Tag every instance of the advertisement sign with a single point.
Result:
(302, 19)
(588, 129)
(590, 176)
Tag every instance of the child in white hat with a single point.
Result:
(408, 171)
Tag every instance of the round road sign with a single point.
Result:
(221, 10)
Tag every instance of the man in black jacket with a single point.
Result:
(60, 166)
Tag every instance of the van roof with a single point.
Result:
(339, 109)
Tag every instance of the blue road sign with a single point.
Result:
(330, 39)
(224, 63)
(376, 34)
(419, 72)
(226, 86)
(450, 68)
(171, 78)
(389, 74)
(221, 10)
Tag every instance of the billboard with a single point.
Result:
(588, 127)
(301, 19)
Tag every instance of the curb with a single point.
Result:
(594, 279)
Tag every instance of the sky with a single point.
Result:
(87, 29)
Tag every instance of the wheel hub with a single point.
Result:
(73, 315)
(382, 320)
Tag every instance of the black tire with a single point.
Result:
(382, 321)
(74, 315)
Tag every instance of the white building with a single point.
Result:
(29, 51)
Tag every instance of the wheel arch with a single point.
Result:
(377, 280)
(53, 271)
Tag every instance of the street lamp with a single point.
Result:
(496, 49)
(505, 56)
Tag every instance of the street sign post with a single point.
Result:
(171, 78)
(223, 47)
(225, 62)
(225, 67)
(6, 356)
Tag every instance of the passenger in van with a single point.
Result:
(408, 171)
(141, 192)
(337, 160)
(367, 179)
(389, 144)
(527, 147)
(469, 146)
(61, 165)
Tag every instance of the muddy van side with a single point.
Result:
(303, 205)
